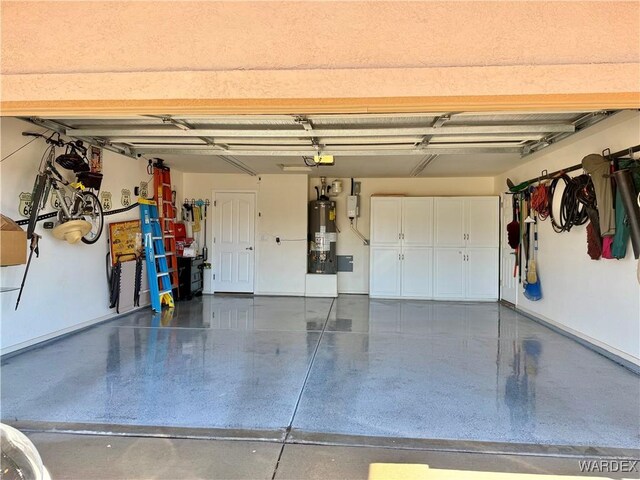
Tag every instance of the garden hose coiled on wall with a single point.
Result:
(576, 201)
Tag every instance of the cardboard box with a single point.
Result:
(13, 243)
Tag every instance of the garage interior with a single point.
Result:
(323, 269)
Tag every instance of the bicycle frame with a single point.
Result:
(56, 181)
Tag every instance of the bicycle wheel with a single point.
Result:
(92, 213)
(36, 202)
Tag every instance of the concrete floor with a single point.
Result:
(76, 457)
(291, 369)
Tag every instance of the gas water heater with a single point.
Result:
(322, 234)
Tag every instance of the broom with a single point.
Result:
(532, 290)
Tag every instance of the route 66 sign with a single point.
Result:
(25, 204)
(143, 189)
(105, 199)
(125, 200)
(55, 200)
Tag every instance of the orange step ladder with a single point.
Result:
(167, 217)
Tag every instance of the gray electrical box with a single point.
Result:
(345, 263)
(353, 206)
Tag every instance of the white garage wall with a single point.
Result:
(282, 205)
(596, 300)
(66, 288)
(349, 244)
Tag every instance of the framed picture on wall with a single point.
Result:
(95, 159)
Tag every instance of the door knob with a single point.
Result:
(249, 248)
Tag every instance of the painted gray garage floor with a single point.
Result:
(378, 368)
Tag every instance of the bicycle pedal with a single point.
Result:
(48, 225)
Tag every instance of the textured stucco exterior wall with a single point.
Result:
(127, 51)
(123, 36)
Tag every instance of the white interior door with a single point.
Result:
(483, 221)
(508, 283)
(482, 273)
(449, 273)
(449, 222)
(417, 221)
(234, 242)
(385, 272)
(385, 220)
(417, 272)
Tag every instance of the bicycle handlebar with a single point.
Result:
(74, 144)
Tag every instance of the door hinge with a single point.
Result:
(215, 203)
(214, 276)
(214, 239)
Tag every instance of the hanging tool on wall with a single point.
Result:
(513, 228)
(532, 288)
(628, 194)
(205, 249)
(138, 282)
(33, 247)
(114, 277)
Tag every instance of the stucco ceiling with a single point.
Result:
(372, 145)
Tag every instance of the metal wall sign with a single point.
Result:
(105, 199)
(125, 199)
(25, 204)
(56, 203)
(143, 189)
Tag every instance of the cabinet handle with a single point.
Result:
(403, 256)
(399, 257)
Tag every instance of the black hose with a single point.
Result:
(576, 205)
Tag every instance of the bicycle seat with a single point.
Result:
(72, 161)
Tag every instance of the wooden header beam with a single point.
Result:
(307, 106)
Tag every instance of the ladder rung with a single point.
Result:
(171, 270)
(170, 252)
(164, 291)
(166, 201)
(169, 236)
(162, 274)
(166, 184)
(160, 256)
(156, 238)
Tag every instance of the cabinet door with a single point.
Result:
(417, 272)
(417, 221)
(384, 274)
(450, 222)
(449, 281)
(386, 219)
(482, 273)
(483, 226)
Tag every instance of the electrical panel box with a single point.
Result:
(353, 206)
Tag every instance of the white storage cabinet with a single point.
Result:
(467, 235)
(401, 254)
(434, 247)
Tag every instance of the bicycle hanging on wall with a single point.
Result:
(80, 216)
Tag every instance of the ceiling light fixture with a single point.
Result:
(295, 168)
